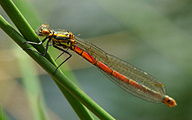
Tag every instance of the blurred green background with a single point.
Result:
(150, 34)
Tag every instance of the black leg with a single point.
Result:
(34, 43)
(64, 51)
(40, 43)
(33, 51)
(46, 48)
(60, 54)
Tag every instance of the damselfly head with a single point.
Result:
(43, 30)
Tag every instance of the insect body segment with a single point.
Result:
(125, 75)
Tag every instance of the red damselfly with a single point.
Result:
(131, 79)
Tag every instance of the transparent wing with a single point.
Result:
(126, 69)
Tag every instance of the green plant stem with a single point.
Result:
(32, 85)
(28, 33)
(60, 79)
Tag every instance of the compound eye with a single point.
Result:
(45, 31)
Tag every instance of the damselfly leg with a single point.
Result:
(40, 43)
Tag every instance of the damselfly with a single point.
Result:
(125, 75)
